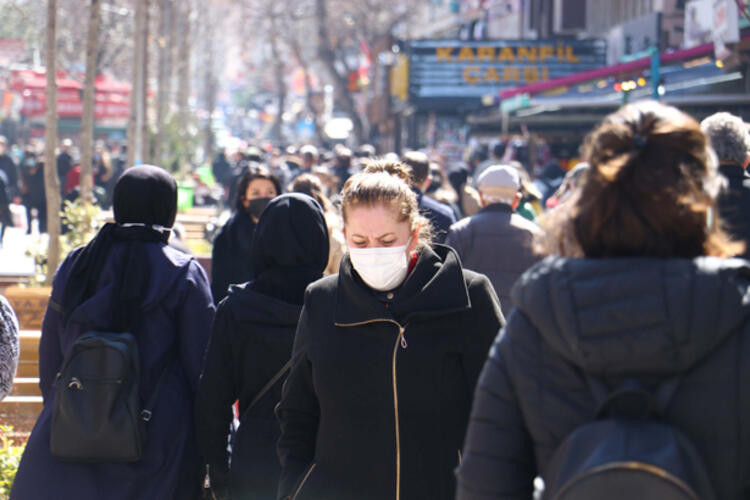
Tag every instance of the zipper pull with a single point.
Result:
(207, 479)
(401, 331)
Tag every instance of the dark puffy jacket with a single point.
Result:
(613, 319)
(252, 340)
(497, 243)
(734, 204)
(230, 256)
(378, 398)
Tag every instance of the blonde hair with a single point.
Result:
(386, 183)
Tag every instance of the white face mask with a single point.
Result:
(382, 268)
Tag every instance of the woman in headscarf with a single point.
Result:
(230, 257)
(128, 279)
(251, 346)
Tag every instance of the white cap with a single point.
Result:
(499, 184)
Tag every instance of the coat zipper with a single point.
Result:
(400, 340)
(304, 480)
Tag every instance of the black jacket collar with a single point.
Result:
(435, 287)
(498, 207)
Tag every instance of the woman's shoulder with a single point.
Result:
(322, 288)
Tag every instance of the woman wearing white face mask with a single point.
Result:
(386, 357)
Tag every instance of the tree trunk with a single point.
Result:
(89, 95)
(328, 58)
(145, 143)
(183, 73)
(134, 125)
(278, 69)
(163, 90)
(51, 182)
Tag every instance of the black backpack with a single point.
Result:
(97, 416)
(628, 451)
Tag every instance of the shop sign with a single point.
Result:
(447, 73)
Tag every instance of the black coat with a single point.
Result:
(252, 340)
(378, 397)
(734, 204)
(230, 257)
(441, 216)
(8, 166)
(613, 319)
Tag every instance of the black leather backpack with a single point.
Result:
(97, 416)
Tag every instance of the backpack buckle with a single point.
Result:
(75, 384)
(145, 415)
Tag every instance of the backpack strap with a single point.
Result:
(632, 398)
(266, 388)
(147, 411)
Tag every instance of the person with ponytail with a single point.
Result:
(636, 291)
(127, 279)
(386, 356)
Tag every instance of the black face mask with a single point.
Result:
(256, 206)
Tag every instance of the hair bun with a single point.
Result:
(394, 168)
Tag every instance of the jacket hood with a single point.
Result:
(249, 306)
(436, 286)
(635, 316)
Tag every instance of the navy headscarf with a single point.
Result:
(145, 208)
(290, 247)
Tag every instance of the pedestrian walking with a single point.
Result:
(731, 142)
(10, 348)
(384, 366)
(9, 168)
(251, 346)
(32, 187)
(634, 313)
(496, 242)
(440, 216)
(129, 281)
(231, 261)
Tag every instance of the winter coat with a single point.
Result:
(378, 397)
(177, 316)
(230, 256)
(441, 216)
(8, 166)
(734, 204)
(612, 319)
(252, 341)
(497, 243)
(10, 348)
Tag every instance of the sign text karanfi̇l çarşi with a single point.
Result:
(524, 55)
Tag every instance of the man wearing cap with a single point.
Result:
(496, 241)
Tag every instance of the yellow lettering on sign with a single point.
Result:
(444, 54)
(528, 53)
(569, 56)
(466, 54)
(486, 53)
(545, 73)
(531, 74)
(492, 75)
(470, 75)
(511, 74)
(506, 54)
(546, 52)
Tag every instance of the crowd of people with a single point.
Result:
(393, 327)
